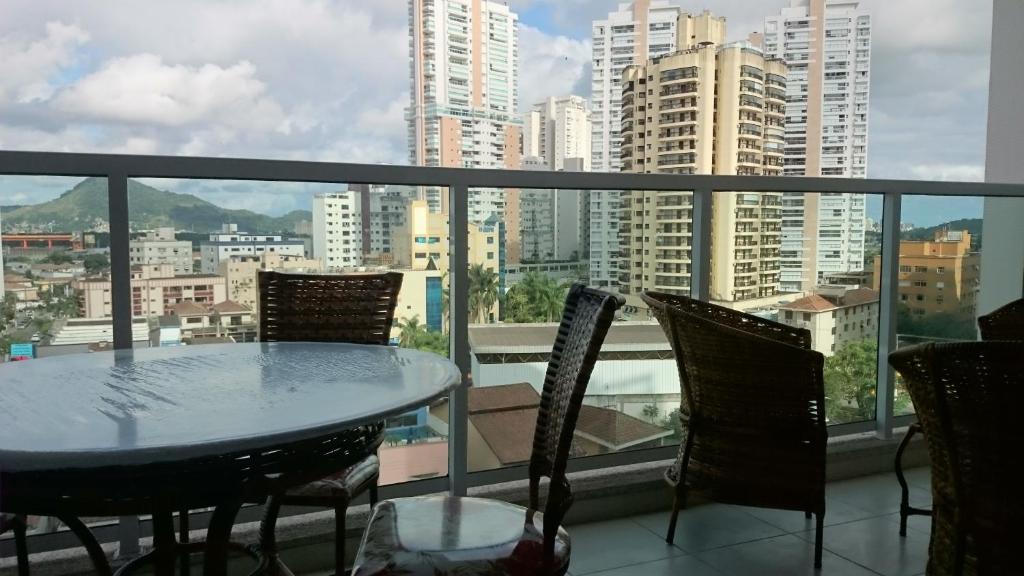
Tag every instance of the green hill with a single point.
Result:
(84, 207)
(972, 225)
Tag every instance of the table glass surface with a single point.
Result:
(155, 405)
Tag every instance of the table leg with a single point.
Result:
(164, 546)
(218, 537)
(96, 554)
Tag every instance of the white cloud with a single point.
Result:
(549, 65)
(143, 89)
(27, 66)
(948, 172)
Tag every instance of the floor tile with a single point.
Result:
(710, 526)
(916, 522)
(920, 477)
(675, 566)
(836, 512)
(783, 555)
(876, 494)
(614, 544)
(875, 543)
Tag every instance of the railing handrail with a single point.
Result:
(215, 168)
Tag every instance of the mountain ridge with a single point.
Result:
(85, 208)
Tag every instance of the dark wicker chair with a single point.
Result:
(968, 397)
(753, 410)
(355, 308)
(17, 525)
(450, 535)
(1006, 323)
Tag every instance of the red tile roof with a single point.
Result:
(229, 307)
(812, 303)
(188, 309)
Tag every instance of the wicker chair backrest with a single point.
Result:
(355, 308)
(967, 396)
(1006, 323)
(586, 318)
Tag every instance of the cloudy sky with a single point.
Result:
(328, 80)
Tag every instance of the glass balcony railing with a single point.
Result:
(128, 274)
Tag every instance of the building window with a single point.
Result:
(919, 298)
(940, 269)
(920, 268)
(789, 314)
(807, 316)
(905, 268)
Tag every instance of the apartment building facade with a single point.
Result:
(155, 288)
(240, 273)
(338, 229)
(827, 46)
(552, 222)
(709, 108)
(938, 275)
(230, 242)
(835, 316)
(464, 90)
(631, 35)
(160, 246)
(556, 129)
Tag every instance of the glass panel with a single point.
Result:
(939, 274)
(54, 234)
(799, 259)
(198, 245)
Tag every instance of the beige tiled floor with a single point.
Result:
(861, 537)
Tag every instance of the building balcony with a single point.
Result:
(619, 518)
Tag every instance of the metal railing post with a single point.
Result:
(888, 299)
(458, 306)
(700, 245)
(121, 309)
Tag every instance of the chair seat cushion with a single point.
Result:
(447, 535)
(347, 483)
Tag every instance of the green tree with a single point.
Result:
(58, 257)
(850, 380)
(416, 335)
(96, 263)
(673, 423)
(9, 307)
(936, 325)
(483, 292)
(651, 413)
(537, 298)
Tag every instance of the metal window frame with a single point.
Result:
(118, 169)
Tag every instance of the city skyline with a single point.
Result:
(50, 99)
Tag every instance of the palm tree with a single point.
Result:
(411, 331)
(537, 298)
(483, 291)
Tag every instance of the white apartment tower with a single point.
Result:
(631, 35)
(556, 129)
(464, 91)
(827, 46)
(338, 230)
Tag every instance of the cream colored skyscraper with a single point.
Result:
(708, 108)
(556, 129)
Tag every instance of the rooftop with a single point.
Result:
(525, 338)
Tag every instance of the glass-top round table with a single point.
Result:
(160, 429)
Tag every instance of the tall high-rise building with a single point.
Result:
(337, 229)
(827, 45)
(708, 108)
(464, 94)
(552, 222)
(556, 129)
(633, 33)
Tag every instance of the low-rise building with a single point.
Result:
(240, 273)
(939, 275)
(635, 375)
(220, 320)
(230, 242)
(155, 289)
(495, 410)
(161, 247)
(835, 316)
